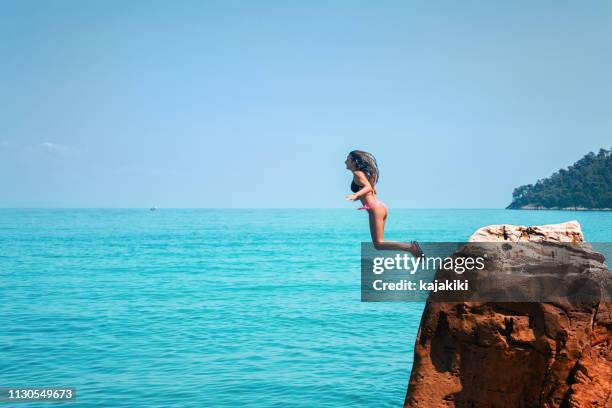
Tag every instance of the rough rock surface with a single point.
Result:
(470, 354)
(567, 232)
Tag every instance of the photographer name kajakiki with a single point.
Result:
(435, 286)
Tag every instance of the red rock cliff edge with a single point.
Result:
(514, 354)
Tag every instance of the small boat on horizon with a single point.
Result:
(154, 208)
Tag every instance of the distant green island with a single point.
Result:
(585, 185)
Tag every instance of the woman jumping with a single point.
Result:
(365, 176)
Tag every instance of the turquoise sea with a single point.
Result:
(215, 308)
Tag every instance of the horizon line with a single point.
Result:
(247, 208)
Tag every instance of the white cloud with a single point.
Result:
(56, 148)
(52, 147)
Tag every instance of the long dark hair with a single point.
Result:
(365, 162)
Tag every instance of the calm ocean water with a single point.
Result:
(219, 308)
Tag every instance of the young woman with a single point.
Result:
(365, 176)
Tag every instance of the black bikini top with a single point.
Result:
(355, 187)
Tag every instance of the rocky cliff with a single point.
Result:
(474, 354)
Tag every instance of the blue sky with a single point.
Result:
(256, 103)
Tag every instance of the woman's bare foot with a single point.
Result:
(416, 249)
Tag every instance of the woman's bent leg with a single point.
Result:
(377, 218)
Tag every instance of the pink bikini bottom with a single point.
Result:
(373, 205)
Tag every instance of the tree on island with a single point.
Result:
(585, 184)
